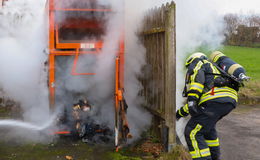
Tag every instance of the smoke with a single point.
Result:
(99, 89)
(23, 39)
(22, 44)
(198, 23)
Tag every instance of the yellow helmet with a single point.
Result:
(194, 56)
(215, 56)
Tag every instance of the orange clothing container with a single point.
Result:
(70, 22)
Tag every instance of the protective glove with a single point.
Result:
(178, 116)
(182, 112)
(193, 108)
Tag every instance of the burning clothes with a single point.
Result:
(94, 133)
(77, 113)
(84, 126)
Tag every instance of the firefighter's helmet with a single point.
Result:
(194, 56)
(215, 56)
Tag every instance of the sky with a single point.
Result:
(227, 6)
(240, 6)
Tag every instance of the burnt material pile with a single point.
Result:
(79, 124)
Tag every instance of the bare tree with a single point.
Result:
(231, 22)
(243, 30)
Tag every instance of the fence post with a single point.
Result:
(170, 99)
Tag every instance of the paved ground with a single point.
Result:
(239, 134)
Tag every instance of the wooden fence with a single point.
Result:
(159, 38)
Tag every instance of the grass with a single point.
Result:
(4, 113)
(178, 153)
(79, 151)
(119, 156)
(59, 150)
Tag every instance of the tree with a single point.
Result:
(242, 30)
(231, 23)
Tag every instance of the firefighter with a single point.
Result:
(208, 100)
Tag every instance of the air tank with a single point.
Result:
(228, 65)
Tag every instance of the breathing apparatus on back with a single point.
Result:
(228, 65)
(232, 72)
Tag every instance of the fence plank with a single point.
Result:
(158, 35)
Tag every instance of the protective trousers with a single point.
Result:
(200, 131)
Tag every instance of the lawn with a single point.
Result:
(64, 149)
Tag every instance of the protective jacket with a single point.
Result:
(202, 85)
(215, 97)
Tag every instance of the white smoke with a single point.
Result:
(99, 89)
(23, 39)
(198, 23)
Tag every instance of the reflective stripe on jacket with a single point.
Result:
(201, 83)
(219, 93)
